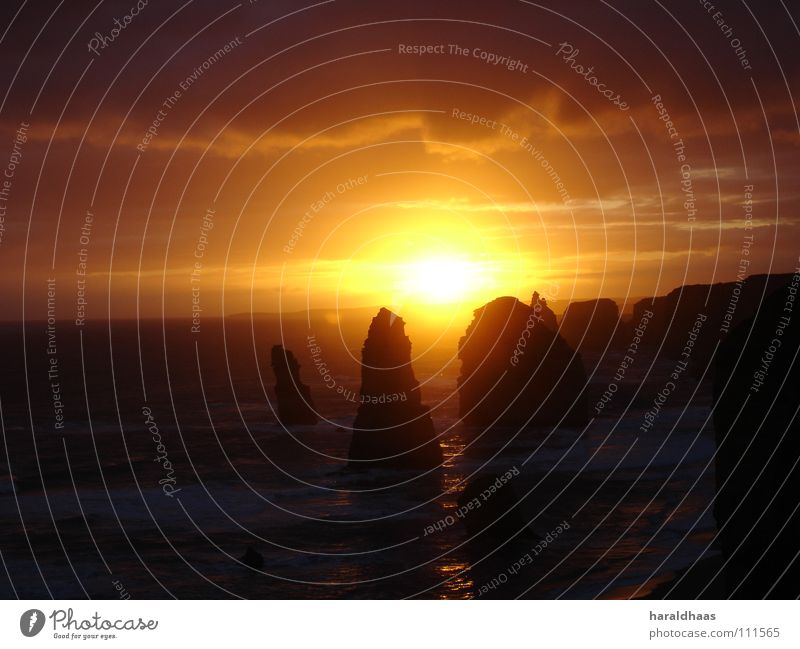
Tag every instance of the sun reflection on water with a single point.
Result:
(457, 583)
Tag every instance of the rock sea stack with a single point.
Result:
(393, 429)
(545, 313)
(515, 371)
(295, 406)
(591, 325)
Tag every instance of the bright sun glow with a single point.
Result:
(431, 267)
(440, 280)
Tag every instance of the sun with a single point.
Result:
(431, 270)
(440, 280)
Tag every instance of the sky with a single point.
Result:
(214, 158)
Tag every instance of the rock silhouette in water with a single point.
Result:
(488, 506)
(545, 313)
(516, 371)
(392, 429)
(497, 533)
(252, 558)
(294, 398)
(591, 324)
(726, 304)
(758, 445)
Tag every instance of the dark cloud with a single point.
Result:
(320, 91)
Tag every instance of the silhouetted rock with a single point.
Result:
(725, 304)
(252, 558)
(591, 325)
(392, 429)
(488, 507)
(497, 535)
(758, 450)
(545, 313)
(294, 398)
(516, 371)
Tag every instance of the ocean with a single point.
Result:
(178, 466)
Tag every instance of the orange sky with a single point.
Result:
(344, 171)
